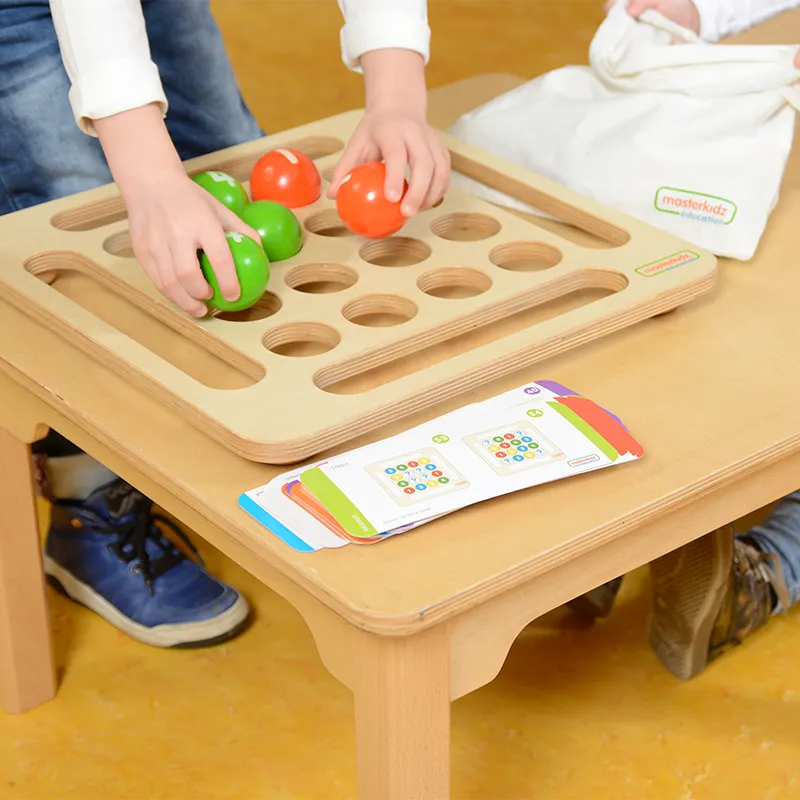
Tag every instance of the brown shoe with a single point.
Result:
(597, 603)
(708, 597)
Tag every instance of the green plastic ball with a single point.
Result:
(252, 270)
(225, 188)
(279, 229)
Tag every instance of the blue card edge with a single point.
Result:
(270, 523)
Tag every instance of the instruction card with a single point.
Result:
(535, 434)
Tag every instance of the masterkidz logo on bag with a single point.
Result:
(695, 206)
(666, 264)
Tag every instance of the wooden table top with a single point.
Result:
(712, 392)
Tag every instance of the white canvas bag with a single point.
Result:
(688, 136)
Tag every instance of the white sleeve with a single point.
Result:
(107, 57)
(721, 18)
(379, 24)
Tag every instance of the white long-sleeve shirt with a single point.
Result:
(721, 18)
(107, 56)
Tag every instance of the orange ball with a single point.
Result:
(287, 177)
(363, 206)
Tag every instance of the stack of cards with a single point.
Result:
(534, 434)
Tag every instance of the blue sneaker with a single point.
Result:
(107, 553)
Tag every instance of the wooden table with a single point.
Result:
(712, 391)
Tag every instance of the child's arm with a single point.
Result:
(170, 217)
(116, 94)
(389, 40)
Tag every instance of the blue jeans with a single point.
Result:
(780, 534)
(43, 153)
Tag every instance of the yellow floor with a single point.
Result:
(577, 712)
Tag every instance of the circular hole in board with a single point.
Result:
(301, 339)
(327, 173)
(379, 310)
(454, 283)
(321, 278)
(397, 251)
(327, 223)
(269, 305)
(119, 244)
(525, 256)
(465, 227)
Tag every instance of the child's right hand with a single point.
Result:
(681, 12)
(170, 216)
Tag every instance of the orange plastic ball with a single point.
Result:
(363, 206)
(287, 177)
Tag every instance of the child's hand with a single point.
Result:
(681, 12)
(399, 138)
(394, 130)
(171, 218)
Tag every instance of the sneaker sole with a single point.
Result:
(181, 635)
(689, 586)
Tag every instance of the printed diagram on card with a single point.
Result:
(513, 448)
(417, 476)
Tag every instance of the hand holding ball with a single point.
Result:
(252, 271)
(362, 204)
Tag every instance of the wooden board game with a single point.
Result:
(351, 333)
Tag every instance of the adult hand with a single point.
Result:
(681, 12)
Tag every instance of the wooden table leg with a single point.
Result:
(402, 703)
(27, 676)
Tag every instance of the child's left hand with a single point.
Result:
(399, 138)
(395, 130)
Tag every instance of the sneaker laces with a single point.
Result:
(132, 537)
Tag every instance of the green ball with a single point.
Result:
(225, 188)
(280, 232)
(252, 270)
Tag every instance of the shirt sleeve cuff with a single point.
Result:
(382, 31)
(119, 87)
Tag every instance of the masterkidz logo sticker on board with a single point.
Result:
(666, 264)
(695, 206)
